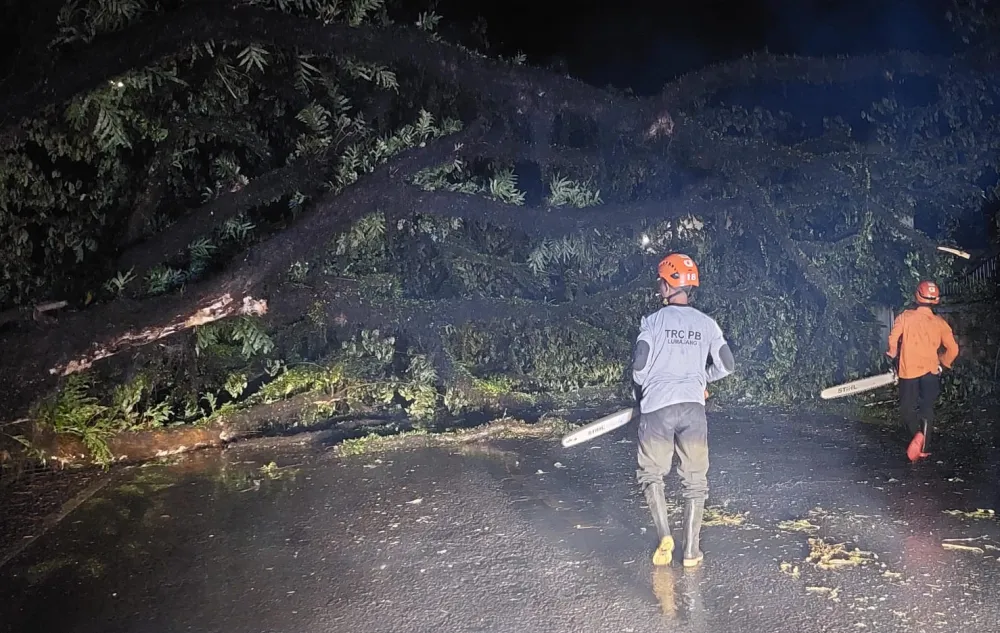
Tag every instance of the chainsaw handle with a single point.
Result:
(893, 363)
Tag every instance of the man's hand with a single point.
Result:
(893, 362)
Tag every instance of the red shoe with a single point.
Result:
(916, 448)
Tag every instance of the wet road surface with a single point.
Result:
(525, 536)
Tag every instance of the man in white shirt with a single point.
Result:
(670, 365)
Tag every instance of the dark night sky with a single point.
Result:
(644, 43)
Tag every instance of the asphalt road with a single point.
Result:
(524, 536)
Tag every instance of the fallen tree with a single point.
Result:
(222, 191)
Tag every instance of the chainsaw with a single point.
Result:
(859, 386)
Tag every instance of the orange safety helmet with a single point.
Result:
(927, 293)
(678, 271)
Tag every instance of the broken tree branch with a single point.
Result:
(221, 308)
(89, 335)
(262, 190)
(150, 192)
(547, 221)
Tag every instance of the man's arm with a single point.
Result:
(950, 345)
(723, 362)
(894, 334)
(641, 352)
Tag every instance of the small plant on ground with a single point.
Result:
(116, 285)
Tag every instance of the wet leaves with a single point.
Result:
(798, 525)
(251, 479)
(832, 594)
(720, 517)
(979, 513)
(836, 556)
(272, 471)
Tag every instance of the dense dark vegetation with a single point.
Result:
(209, 208)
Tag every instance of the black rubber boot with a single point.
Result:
(693, 511)
(658, 507)
(927, 435)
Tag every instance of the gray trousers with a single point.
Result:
(681, 427)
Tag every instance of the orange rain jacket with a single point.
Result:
(917, 335)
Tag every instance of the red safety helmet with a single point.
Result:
(927, 293)
(678, 271)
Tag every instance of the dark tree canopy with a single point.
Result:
(210, 207)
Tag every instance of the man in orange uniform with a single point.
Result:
(915, 340)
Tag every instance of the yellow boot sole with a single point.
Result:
(693, 562)
(665, 552)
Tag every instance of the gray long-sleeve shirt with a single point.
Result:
(670, 362)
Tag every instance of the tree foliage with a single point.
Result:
(497, 224)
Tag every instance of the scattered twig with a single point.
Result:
(963, 548)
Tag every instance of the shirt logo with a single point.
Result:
(683, 337)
